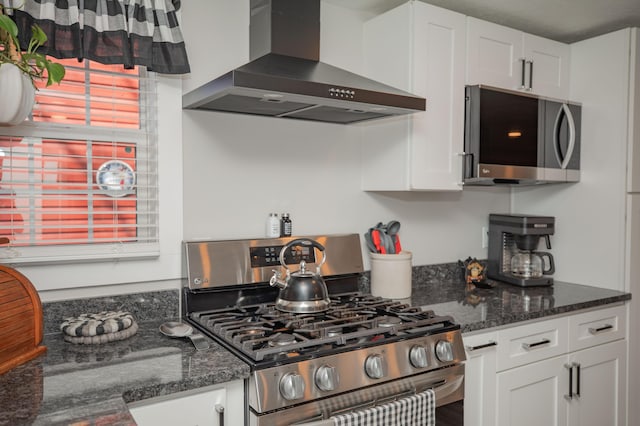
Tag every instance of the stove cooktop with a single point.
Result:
(264, 336)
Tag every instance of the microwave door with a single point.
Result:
(502, 133)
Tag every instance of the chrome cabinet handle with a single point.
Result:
(529, 346)
(483, 346)
(572, 394)
(597, 330)
(522, 80)
(530, 75)
(467, 165)
(577, 365)
(569, 367)
(220, 411)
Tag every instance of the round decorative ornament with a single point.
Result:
(17, 95)
(116, 178)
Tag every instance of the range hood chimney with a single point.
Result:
(286, 79)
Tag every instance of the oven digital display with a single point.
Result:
(269, 256)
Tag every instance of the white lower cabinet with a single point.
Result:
(585, 388)
(480, 379)
(211, 406)
(600, 397)
(532, 395)
(566, 371)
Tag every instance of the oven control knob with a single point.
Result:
(292, 386)
(327, 378)
(444, 351)
(375, 367)
(418, 356)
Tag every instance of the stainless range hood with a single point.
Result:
(285, 78)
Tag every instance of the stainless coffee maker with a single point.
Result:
(513, 254)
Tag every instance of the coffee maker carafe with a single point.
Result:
(513, 244)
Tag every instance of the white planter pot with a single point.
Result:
(17, 95)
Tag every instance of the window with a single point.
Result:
(78, 180)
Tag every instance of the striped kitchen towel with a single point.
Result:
(415, 410)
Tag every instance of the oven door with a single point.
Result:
(446, 415)
(447, 383)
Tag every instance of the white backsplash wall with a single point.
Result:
(238, 168)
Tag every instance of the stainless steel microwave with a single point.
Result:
(518, 138)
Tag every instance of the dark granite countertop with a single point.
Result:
(443, 291)
(91, 384)
(76, 384)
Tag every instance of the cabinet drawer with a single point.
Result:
(532, 342)
(596, 327)
(480, 342)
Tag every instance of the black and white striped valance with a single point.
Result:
(128, 32)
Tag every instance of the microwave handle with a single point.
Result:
(564, 162)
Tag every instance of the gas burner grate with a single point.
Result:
(261, 332)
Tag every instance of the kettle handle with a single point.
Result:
(303, 242)
(552, 266)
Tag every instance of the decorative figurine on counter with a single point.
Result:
(474, 273)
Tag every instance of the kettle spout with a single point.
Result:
(276, 281)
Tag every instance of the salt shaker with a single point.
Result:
(273, 226)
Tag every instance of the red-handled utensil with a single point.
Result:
(393, 227)
(377, 241)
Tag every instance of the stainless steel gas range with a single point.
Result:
(363, 351)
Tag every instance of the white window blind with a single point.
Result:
(78, 179)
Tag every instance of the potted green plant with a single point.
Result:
(19, 70)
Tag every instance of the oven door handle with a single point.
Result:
(381, 401)
(367, 404)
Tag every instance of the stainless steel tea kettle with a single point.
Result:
(301, 291)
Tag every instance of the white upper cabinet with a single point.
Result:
(418, 48)
(510, 59)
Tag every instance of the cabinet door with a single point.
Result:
(480, 380)
(419, 48)
(205, 406)
(548, 66)
(388, 59)
(439, 63)
(494, 55)
(600, 391)
(534, 395)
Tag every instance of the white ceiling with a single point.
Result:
(563, 20)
